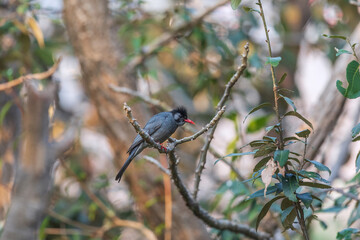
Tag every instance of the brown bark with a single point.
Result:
(31, 192)
(89, 28)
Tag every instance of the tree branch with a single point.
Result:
(157, 163)
(204, 215)
(165, 38)
(203, 152)
(38, 76)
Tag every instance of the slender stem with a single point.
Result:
(275, 85)
(300, 216)
(353, 49)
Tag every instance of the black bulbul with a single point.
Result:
(160, 127)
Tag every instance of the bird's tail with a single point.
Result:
(132, 155)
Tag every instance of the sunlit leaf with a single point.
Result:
(353, 79)
(274, 61)
(267, 174)
(36, 31)
(265, 209)
(235, 4)
(258, 123)
(334, 36)
(341, 51)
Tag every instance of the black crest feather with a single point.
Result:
(181, 110)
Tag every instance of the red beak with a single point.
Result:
(189, 121)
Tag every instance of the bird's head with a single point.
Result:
(180, 116)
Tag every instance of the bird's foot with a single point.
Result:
(162, 147)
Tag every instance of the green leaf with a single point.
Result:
(282, 78)
(3, 111)
(257, 108)
(274, 61)
(269, 128)
(353, 79)
(260, 193)
(285, 213)
(289, 101)
(290, 184)
(281, 156)
(258, 123)
(334, 36)
(295, 114)
(261, 163)
(356, 139)
(235, 4)
(249, 9)
(355, 131)
(342, 51)
(319, 166)
(314, 185)
(265, 150)
(305, 198)
(303, 134)
(347, 233)
(357, 162)
(314, 175)
(265, 209)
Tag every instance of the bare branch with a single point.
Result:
(212, 123)
(203, 152)
(149, 100)
(38, 76)
(204, 215)
(157, 163)
(167, 37)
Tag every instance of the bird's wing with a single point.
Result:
(151, 127)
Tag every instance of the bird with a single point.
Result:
(160, 127)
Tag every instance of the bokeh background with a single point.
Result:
(190, 69)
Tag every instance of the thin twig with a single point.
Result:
(203, 152)
(157, 163)
(38, 76)
(204, 215)
(109, 213)
(149, 100)
(275, 84)
(165, 38)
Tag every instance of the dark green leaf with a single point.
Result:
(342, 51)
(260, 193)
(281, 156)
(334, 36)
(347, 233)
(314, 175)
(305, 198)
(356, 139)
(268, 129)
(355, 131)
(265, 150)
(304, 134)
(291, 139)
(274, 61)
(285, 213)
(314, 185)
(282, 78)
(353, 79)
(295, 114)
(265, 209)
(290, 184)
(257, 108)
(289, 101)
(319, 166)
(6, 107)
(249, 9)
(261, 163)
(235, 4)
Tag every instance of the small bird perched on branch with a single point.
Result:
(160, 127)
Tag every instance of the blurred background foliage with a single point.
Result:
(191, 70)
